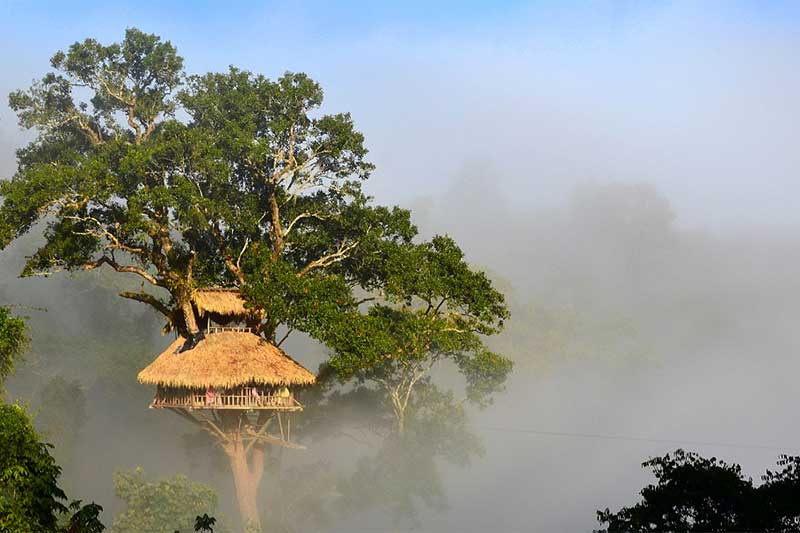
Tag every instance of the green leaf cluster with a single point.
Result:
(12, 342)
(30, 499)
(165, 505)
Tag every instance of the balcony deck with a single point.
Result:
(243, 400)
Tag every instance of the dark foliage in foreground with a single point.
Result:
(693, 493)
(30, 498)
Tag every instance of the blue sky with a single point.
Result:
(696, 97)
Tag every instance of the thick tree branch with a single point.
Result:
(150, 300)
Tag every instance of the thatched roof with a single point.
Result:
(225, 360)
(223, 302)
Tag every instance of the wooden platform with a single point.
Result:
(239, 400)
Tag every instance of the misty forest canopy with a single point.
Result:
(234, 179)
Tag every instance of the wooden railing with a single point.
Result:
(239, 399)
(220, 329)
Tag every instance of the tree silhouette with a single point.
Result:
(693, 493)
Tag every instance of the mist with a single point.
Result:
(625, 174)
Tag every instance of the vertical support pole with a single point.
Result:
(280, 423)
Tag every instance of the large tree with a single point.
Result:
(235, 179)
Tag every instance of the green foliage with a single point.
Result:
(698, 494)
(164, 506)
(12, 342)
(434, 307)
(85, 519)
(307, 303)
(30, 499)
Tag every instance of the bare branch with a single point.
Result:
(300, 217)
(239, 259)
(102, 231)
(339, 255)
(288, 332)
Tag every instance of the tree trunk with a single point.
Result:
(276, 229)
(247, 479)
(189, 318)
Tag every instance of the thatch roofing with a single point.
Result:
(224, 302)
(225, 360)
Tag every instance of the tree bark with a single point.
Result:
(189, 318)
(246, 477)
(276, 229)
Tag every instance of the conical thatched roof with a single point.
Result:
(225, 360)
(221, 302)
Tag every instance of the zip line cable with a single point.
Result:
(640, 439)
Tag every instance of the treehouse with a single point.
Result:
(227, 370)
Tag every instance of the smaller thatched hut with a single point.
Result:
(223, 305)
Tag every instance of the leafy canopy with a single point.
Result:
(122, 182)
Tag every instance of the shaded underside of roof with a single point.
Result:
(224, 360)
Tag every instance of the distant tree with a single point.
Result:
(698, 494)
(61, 414)
(403, 474)
(625, 230)
(165, 505)
(305, 499)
